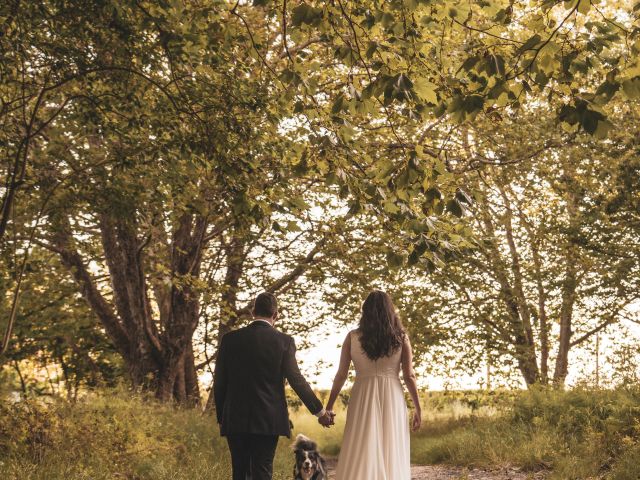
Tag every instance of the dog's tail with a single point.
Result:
(304, 443)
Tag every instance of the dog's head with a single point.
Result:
(309, 464)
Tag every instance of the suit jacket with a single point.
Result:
(251, 367)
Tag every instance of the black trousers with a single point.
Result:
(252, 456)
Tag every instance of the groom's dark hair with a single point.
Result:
(265, 305)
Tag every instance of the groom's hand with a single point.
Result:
(326, 420)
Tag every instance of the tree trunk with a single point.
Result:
(570, 281)
(519, 322)
(533, 242)
(167, 376)
(163, 362)
(543, 323)
(179, 386)
(178, 335)
(126, 269)
(192, 387)
(23, 385)
(566, 314)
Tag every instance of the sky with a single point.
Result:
(325, 354)
(320, 361)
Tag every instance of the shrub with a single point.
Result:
(578, 434)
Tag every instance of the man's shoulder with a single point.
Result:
(286, 338)
(231, 335)
(273, 335)
(281, 335)
(242, 331)
(277, 335)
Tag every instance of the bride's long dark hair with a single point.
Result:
(381, 330)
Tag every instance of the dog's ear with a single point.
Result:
(321, 468)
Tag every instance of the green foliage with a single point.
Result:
(577, 435)
(245, 118)
(573, 435)
(56, 331)
(553, 230)
(114, 435)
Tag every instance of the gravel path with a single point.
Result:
(433, 472)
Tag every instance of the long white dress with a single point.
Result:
(376, 437)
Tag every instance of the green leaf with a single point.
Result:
(473, 103)
(292, 226)
(425, 90)
(347, 132)
(607, 90)
(584, 6)
(419, 248)
(631, 88)
(455, 207)
(299, 15)
(306, 14)
(590, 120)
(299, 203)
(417, 226)
(470, 62)
(387, 20)
(433, 194)
(339, 104)
(390, 207)
(603, 129)
(371, 49)
(530, 44)
(394, 259)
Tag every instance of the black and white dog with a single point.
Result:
(309, 463)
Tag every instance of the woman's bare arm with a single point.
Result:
(343, 372)
(409, 376)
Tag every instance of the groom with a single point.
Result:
(251, 406)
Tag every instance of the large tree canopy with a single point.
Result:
(175, 157)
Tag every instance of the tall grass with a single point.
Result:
(111, 435)
(114, 435)
(578, 434)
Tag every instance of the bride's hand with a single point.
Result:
(417, 420)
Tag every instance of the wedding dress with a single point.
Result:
(376, 437)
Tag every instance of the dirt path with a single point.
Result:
(432, 472)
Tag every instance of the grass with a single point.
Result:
(115, 435)
(111, 435)
(576, 435)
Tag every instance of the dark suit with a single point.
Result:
(251, 406)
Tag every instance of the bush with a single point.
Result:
(578, 434)
(113, 436)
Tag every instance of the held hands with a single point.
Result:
(327, 419)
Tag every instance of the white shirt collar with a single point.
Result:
(262, 320)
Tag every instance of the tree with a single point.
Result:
(157, 147)
(557, 263)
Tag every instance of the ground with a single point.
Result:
(431, 472)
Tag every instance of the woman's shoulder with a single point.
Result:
(354, 333)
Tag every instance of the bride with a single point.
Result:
(376, 436)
